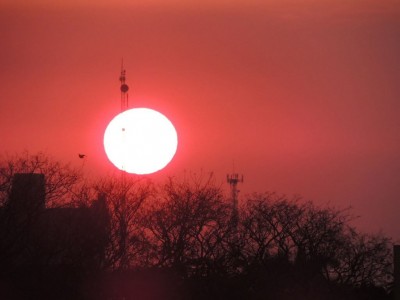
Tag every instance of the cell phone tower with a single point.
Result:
(233, 180)
(124, 89)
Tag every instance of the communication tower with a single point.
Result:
(124, 106)
(233, 180)
(124, 89)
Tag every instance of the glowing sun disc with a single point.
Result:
(140, 141)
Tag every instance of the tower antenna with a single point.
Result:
(124, 89)
(124, 106)
(233, 180)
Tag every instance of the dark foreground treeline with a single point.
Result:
(126, 238)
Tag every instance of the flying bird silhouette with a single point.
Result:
(81, 155)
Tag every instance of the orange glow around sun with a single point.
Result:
(140, 141)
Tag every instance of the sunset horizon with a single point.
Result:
(301, 97)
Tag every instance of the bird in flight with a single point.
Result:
(81, 155)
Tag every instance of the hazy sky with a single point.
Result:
(304, 96)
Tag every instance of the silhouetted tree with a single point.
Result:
(61, 180)
(125, 196)
(268, 222)
(294, 247)
(121, 231)
(363, 260)
(18, 216)
(185, 226)
(48, 243)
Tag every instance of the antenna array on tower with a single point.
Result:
(233, 180)
(124, 89)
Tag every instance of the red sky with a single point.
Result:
(304, 96)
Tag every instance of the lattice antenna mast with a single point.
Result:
(233, 180)
(123, 238)
(124, 106)
(124, 89)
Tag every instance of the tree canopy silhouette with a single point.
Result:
(107, 238)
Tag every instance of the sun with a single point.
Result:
(140, 141)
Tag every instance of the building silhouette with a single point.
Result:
(45, 251)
